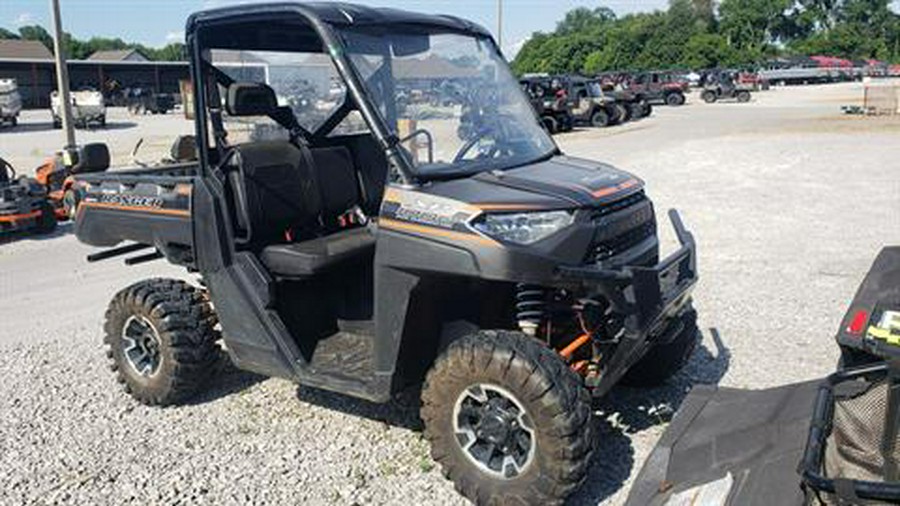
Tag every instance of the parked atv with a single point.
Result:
(721, 85)
(658, 88)
(551, 104)
(595, 107)
(23, 204)
(508, 281)
(142, 101)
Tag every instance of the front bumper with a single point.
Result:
(648, 298)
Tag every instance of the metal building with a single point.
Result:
(31, 65)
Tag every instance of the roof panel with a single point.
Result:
(24, 49)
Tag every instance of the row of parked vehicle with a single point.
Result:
(88, 105)
(566, 101)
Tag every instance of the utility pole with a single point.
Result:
(500, 23)
(62, 77)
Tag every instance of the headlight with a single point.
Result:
(524, 228)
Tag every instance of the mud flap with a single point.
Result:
(729, 447)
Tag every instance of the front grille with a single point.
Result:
(620, 226)
(604, 250)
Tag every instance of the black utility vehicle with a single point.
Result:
(722, 85)
(551, 103)
(658, 88)
(365, 250)
(143, 101)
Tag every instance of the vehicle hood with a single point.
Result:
(559, 183)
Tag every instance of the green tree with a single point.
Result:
(751, 26)
(6, 34)
(38, 33)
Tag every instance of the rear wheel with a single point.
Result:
(642, 109)
(674, 99)
(664, 360)
(600, 119)
(46, 222)
(161, 341)
(13, 121)
(507, 420)
(743, 96)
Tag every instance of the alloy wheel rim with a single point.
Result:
(494, 431)
(142, 346)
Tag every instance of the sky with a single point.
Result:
(156, 22)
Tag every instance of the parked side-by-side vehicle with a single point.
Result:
(360, 248)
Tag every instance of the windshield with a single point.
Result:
(595, 89)
(451, 99)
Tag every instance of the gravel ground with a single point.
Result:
(789, 201)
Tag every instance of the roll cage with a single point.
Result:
(300, 28)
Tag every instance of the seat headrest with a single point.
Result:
(92, 158)
(184, 149)
(250, 99)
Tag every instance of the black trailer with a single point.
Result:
(824, 442)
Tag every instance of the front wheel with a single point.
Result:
(507, 420)
(709, 96)
(550, 124)
(160, 340)
(664, 360)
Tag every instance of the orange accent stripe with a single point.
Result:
(423, 229)
(142, 209)
(603, 192)
(509, 207)
(19, 217)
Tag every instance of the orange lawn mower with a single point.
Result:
(23, 203)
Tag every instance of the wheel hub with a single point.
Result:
(494, 431)
(141, 346)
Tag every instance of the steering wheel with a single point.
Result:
(497, 128)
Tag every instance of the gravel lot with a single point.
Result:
(789, 200)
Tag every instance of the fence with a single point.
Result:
(882, 99)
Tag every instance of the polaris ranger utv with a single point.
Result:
(363, 251)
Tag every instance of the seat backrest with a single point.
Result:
(337, 180)
(273, 190)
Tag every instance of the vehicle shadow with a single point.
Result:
(32, 127)
(401, 411)
(626, 411)
(30, 235)
(227, 380)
